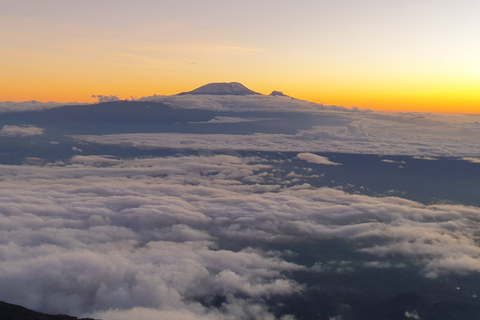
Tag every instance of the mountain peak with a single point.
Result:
(222, 88)
(278, 94)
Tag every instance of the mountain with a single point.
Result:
(222, 88)
(276, 93)
(13, 312)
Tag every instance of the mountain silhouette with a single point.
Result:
(222, 88)
(13, 312)
(276, 93)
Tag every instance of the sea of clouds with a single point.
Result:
(365, 133)
(142, 239)
(146, 238)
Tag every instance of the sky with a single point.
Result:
(382, 55)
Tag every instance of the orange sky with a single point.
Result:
(379, 55)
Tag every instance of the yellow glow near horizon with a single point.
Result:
(448, 100)
(405, 56)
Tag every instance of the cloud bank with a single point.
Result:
(413, 134)
(146, 238)
(310, 157)
(20, 131)
(10, 106)
(364, 135)
(242, 103)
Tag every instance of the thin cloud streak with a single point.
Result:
(20, 131)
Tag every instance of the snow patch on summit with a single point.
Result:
(222, 88)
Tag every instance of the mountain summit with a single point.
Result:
(278, 94)
(222, 88)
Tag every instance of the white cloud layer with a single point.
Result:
(206, 102)
(415, 134)
(10, 106)
(140, 238)
(310, 157)
(364, 135)
(242, 103)
(220, 119)
(20, 131)
(472, 160)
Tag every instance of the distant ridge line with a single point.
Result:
(16, 312)
(222, 88)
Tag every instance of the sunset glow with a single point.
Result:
(219, 160)
(394, 56)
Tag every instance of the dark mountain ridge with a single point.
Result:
(276, 93)
(222, 88)
(14, 312)
(115, 111)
